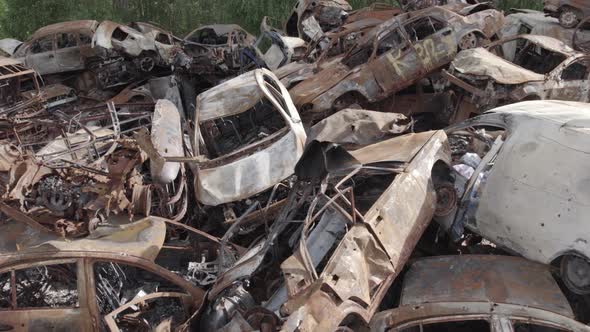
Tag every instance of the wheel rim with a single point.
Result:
(147, 64)
(468, 41)
(575, 271)
(569, 18)
(446, 199)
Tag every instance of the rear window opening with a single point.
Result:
(119, 34)
(163, 39)
(208, 37)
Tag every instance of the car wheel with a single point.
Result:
(446, 199)
(575, 272)
(568, 18)
(147, 64)
(469, 41)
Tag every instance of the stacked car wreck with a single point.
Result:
(375, 169)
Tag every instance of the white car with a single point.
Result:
(528, 190)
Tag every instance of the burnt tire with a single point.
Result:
(568, 17)
(575, 273)
(469, 41)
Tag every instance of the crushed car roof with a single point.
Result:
(65, 26)
(143, 238)
(481, 62)
(479, 278)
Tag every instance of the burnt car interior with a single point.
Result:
(533, 56)
(228, 134)
(208, 37)
(40, 286)
(423, 27)
(118, 284)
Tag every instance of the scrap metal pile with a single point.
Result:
(419, 168)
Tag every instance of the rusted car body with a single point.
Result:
(219, 50)
(311, 18)
(327, 50)
(354, 239)
(109, 282)
(394, 56)
(479, 293)
(523, 67)
(507, 196)
(569, 12)
(54, 95)
(377, 10)
(19, 89)
(70, 175)
(255, 155)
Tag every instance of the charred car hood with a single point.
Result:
(481, 62)
(310, 89)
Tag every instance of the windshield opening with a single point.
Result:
(529, 55)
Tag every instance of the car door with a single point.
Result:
(67, 52)
(41, 56)
(44, 296)
(571, 81)
(434, 42)
(394, 62)
(132, 297)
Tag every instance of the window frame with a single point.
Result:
(431, 18)
(31, 50)
(76, 36)
(406, 43)
(23, 266)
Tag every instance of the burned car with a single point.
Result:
(218, 51)
(68, 47)
(524, 67)
(19, 89)
(569, 12)
(110, 282)
(479, 293)
(325, 51)
(311, 18)
(147, 49)
(343, 236)
(58, 48)
(254, 138)
(521, 185)
(394, 56)
(532, 22)
(277, 48)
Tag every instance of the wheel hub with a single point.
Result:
(576, 274)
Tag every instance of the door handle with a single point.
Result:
(51, 56)
(6, 327)
(446, 33)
